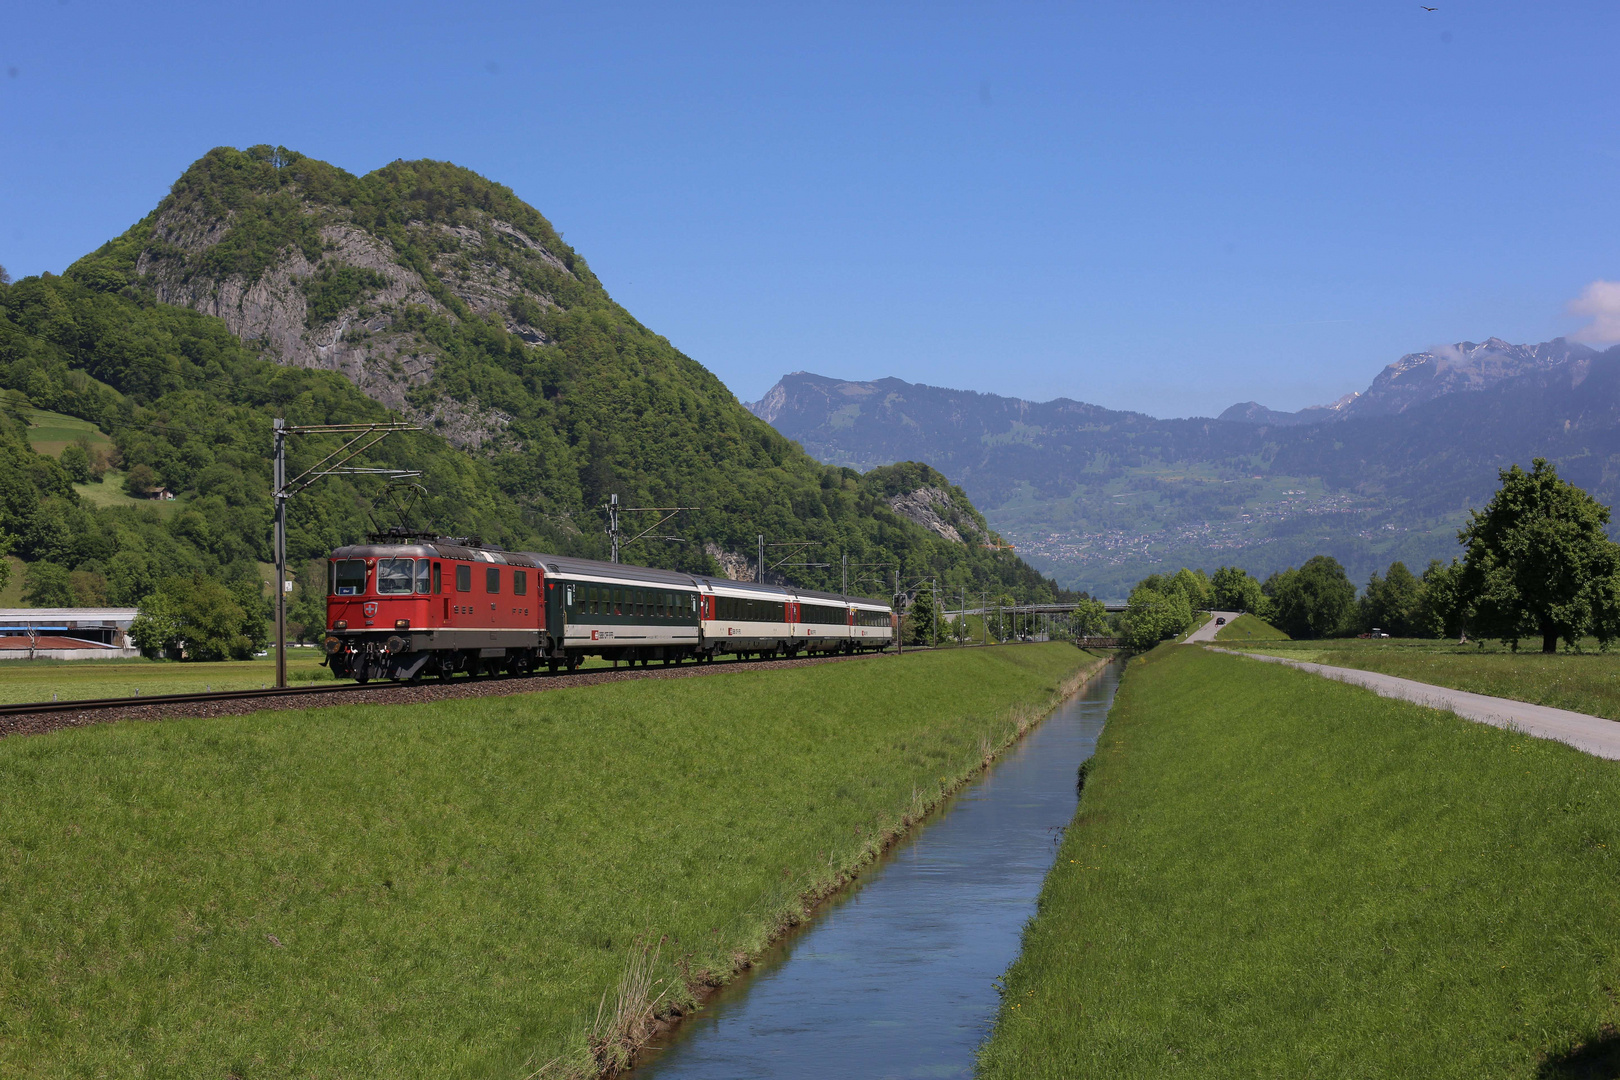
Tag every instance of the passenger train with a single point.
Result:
(438, 607)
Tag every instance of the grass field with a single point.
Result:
(1587, 682)
(110, 493)
(11, 595)
(67, 680)
(51, 433)
(1249, 628)
(452, 890)
(38, 680)
(1276, 875)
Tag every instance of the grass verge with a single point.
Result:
(1273, 874)
(1249, 628)
(38, 680)
(1586, 682)
(495, 886)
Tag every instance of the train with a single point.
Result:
(440, 607)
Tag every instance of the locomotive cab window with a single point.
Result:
(492, 580)
(348, 577)
(423, 580)
(463, 579)
(520, 583)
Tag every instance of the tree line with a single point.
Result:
(1537, 566)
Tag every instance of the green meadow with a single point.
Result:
(1273, 874)
(65, 680)
(50, 433)
(456, 889)
(1249, 628)
(1587, 681)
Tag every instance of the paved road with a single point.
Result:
(1207, 631)
(1593, 734)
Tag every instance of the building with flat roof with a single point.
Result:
(66, 633)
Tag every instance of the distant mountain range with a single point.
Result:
(1099, 497)
(1424, 376)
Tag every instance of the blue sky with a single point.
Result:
(1163, 207)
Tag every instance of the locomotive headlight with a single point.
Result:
(333, 646)
(341, 624)
(402, 624)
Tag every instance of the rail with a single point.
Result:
(89, 704)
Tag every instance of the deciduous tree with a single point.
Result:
(1154, 616)
(1314, 601)
(1539, 562)
(1235, 590)
(1393, 603)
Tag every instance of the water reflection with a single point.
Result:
(896, 980)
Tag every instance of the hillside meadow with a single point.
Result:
(1273, 874)
(456, 889)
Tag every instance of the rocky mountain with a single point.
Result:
(1101, 497)
(271, 284)
(1423, 376)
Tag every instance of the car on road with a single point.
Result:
(1221, 621)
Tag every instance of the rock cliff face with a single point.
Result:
(926, 507)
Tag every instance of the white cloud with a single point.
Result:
(1600, 303)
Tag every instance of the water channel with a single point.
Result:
(896, 978)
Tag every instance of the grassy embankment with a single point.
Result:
(1587, 682)
(1274, 874)
(1249, 628)
(452, 890)
(37, 680)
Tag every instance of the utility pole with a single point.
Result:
(285, 489)
(614, 510)
(278, 485)
(899, 633)
(933, 595)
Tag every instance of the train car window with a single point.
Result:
(348, 577)
(618, 601)
(423, 579)
(591, 603)
(492, 580)
(463, 579)
(520, 583)
(641, 603)
(436, 578)
(395, 577)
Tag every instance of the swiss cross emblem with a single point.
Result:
(370, 610)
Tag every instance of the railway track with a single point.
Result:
(92, 704)
(39, 717)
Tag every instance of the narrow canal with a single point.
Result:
(896, 979)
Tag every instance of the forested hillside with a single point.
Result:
(268, 284)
